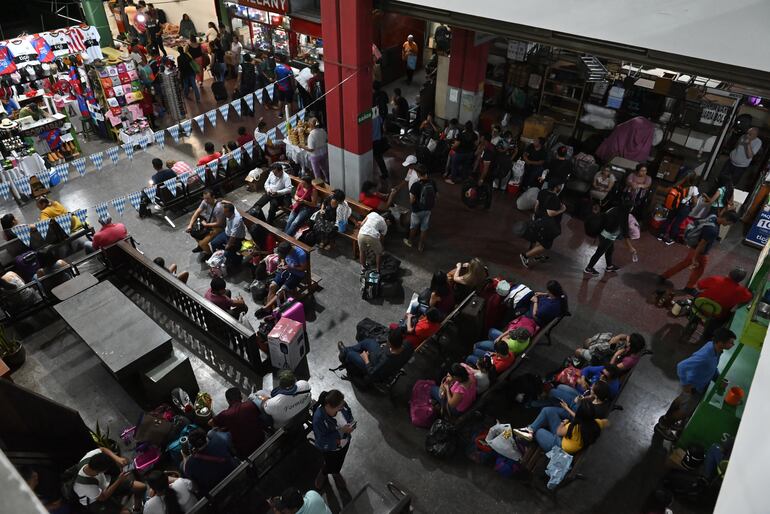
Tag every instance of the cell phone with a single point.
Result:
(354, 424)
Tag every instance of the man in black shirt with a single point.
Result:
(161, 174)
(422, 197)
(560, 168)
(376, 362)
(546, 227)
(534, 159)
(462, 160)
(402, 106)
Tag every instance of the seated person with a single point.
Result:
(219, 295)
(376, 362)
(375, 200)
(457, 391)
(110, 233)
(624, 350)
(627, 356)
(101, 484)
(49, 210)
(304, 205)
(570, 435)
(233, 166)
(292, 501)
(466, 277)
(209, 460)
(331, 218)
(211, 213)
(484, 373)
(292, 269)
(278, 190)
(46, 485)
(16, 296)
(161, 174)
(517, 339)
(589, 376)
(284, 402)
(549, 305)
(231, 239)
(243, 136)
(211, 154)
(502, 358)
(417, 329)
(602, 184)
(180, 168)
(439, 295)
(241, 420)
(160, 261)
(168, 494)
(49, 265)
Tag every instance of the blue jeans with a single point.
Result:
(566, 393)
(547, 440)
(488, 345)
(545, 426)
(297, 218)
(478, 353)
(188, 82)
(435, 393)
(352, 354)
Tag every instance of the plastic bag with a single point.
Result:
(500, 438)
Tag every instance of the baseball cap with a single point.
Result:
(412, 159)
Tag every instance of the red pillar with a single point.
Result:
(347, 36)
(465, 80)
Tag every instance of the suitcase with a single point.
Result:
(470, 321)
(292, 309)
(219, 90)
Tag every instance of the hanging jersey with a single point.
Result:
(7, 66)
(91, 41)
(43, 49)
(58, 42)
(76, 40)
(23, 52)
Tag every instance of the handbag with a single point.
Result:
(154, 430)
(198, 231)
(568, 376)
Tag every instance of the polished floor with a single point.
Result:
(621, 469)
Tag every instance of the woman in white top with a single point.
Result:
(317, 142)
(211, 33)
(169, 494)
(603, 182)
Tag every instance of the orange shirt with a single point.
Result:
(408, 49)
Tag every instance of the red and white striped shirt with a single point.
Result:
(76, 39)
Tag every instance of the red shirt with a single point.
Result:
(422, 331)
(220, 300)
(502, 363)
(208, 158)
(725, 292)
(370, 201)
(109, 234)
(245, 427)
(242, 140)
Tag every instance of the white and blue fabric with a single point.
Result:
(237, 154)
(201, 172)
(143, 142)
(5, 190)
(150, 192)
(187, 127)
(262, 140)
(224, 110)
(271, 134)
(212, 116)
(98, 160)
(160, 139)
(45, 178)
(120, 204)
(101, 210)
(42, 227)
(237, 106)
(174, 131)
(301, 114)
(129, 149)
(269, 90)
(22, 184)
(65, 222)
(249, 101)
(200, 120)
(22, 232)
(82, 215)
(170, 185)
(136, 199)
(249, 148)
(80, 165)
(63, 172)
(113, 154)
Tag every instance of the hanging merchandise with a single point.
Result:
(171, 94)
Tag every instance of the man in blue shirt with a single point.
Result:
(291, 271)
(284, 86)
(695, 373)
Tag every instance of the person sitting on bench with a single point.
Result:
(49, 265)
(457, 391)
(466, 277)
(241, 420)
(570, 435)
(183, 276)
(278, 190)
(284, 402)
(110, 233)
(502, 358)
(208, 460)
(161, 174)
(211, 154)
(417, 329)
(292, 501)
(331, 219)
(219, 295)
(230, 240)
(373, 361)
(290, 274)
(517, 339)
(100, 483)
(212, 215)
(589, 376)
(623, 350)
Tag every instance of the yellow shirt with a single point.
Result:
(57, 209)
(408, 49)
(574, 444)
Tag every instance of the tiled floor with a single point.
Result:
(621, 469)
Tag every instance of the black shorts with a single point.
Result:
(286, 96)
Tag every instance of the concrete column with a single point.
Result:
(465, 77)
(347, 35)
(95, 16)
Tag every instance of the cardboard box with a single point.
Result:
(287, 343)
(669, 168)
(537, 126)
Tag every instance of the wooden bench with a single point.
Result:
(309, 284)
(56, 242)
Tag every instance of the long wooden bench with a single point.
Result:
(55, 242)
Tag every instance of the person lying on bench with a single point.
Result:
(290, 274)
(219, 295)
(375, 200)
(278, 190)
(570, 435)
(608, 374)
(457, 391)
(417, 329)
(375, 362)
(502, 358)
(623, 350)
(285, 402)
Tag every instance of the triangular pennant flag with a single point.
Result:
(22, 184)
(65, 222)
(237, 106)
(174, 131)
(237, 154)
(261, 139)
(282, 128)
(45, 178)
(82, 215)
(260, 95)
(120, 204)
(200, 120)
(201, 172)
(129, 149)
(293, 121)
(271, 134)
(143, 142)
(63, 172)
(42, 227)
(224, 110)
(80, 165)
(170, 185)
(187, 127)
(249, 101)
(150, 192)
(301, 114)
(22, 232)
(136, 199)
(113, 154)
(101, 210)
(5, 190)
(249, 148)
(160, 139)
(184, 177)
(98, 160)
(269, 90)
(212, 116)
(213, 165)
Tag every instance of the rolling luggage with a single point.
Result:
(470, 320)
(292, 309)
(219, 90)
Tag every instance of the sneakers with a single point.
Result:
(197, 249)
(661, 237)
(591, 271)
(612, 268)
(669, 241)
(407, 242)
(524, 433)
(524, 260)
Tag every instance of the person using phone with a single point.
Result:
(333, 425)
(100, 485)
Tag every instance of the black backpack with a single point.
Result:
(427, 196)
(70, 477)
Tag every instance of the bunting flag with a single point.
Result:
(82, 215)
(212, 116)
(201, 172)
(143, 142)
(171, 185)
(113, 154)
(22, 232)
(98, 160)
(120, 204)
(129, 149)
(174, 131)
(63, 172)
(45, 178)
(213, 165)
(282, 128)
(101, 210)
(249, 148)
(184, 177)
(260, 95)
(80, 165)
(187, 127)
(237, 106)
(271, 134)
(160, 139)
(224, 110)
(65, 222)
(150, 192)
(237, 154)
(301, 114)
(5, 190)
(22, 184)
(200, 120)
(262, 140)
(249, 101)
(293, 121)
(42, 227)
(136, 199)
(269, 90)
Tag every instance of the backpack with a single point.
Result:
(420, 408)
(370, 285)
(674, 198)
(70, 477)
(693, 233)
(427, 196)
(441, 441)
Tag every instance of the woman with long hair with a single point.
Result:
(549, 305)
(168, 494)
(614, 227)
(570, 435)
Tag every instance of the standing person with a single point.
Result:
(462, 159)
(333, 425)
(679, 200)
(409, 56)
(380, 144)
(422, 197)
(242, 421)
(700, 237)
(740, 157)
(187, 27)
(212, 216)
(266, 69)
(230, 240)
(534, 159)
(614, 226)
(284, 85)
(317, 145)
(559, 169)
(370, 234)
(546, 225)
(695, 373)
(155, 32)
(218, 67)
(306, 81)
(188, 70)
(236, 51)
(195, 50)
(248, 77)
(168, 494)
(211, 32)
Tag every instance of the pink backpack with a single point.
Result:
(524, 322)
(420, 407)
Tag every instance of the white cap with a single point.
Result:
(412, 159)
(410, 36)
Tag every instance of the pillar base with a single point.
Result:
(463, 105)
(349, 170)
